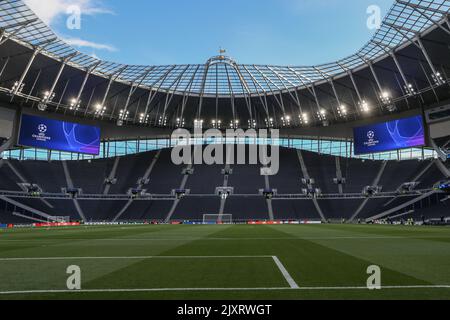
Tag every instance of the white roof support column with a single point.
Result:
(256, 85)
(300, 78)
(25, 72)
(4, 66)
(134, 86)
(89, 102)
(169, 97)
(416, 42)
(112, 78)
(354, 85)
(329, 79)
(267, 81)
(375, 76)
(427, 57)
(352, 78)
(447, 21)
(62, 95)
(60, 71)
(335, 91)
(282, 80)
(34, 84)
(319, 107)
(58, 76)
(233, 106)
(202, 91)
(83, 85)
(188, 92)
(245, 90)
(152, 95)
(372, 70)
(399, 67)
(394, 57)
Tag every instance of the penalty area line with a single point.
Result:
(221, 289)
(285, 273)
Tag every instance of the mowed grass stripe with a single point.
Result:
(424, 260)
(309, 263)
(157, 273)
(309, 254)
(91, 247)
(241, 270)
(83, 248)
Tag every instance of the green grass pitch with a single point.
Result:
(226, 262)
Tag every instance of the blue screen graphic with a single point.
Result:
(58, 135)
(388, 136)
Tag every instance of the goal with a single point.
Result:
(217, 219)
(59, 219)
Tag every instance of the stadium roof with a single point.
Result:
(221, 75)
(376, 75)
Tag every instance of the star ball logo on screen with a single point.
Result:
(372, 142)
(42, 128)
(41, 134)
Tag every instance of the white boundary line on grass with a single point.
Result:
(219, 289)
(280, 266)
(132, 258)
(292, 284)
(285, 273)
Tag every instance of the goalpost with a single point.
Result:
(217, 219)
(59, 219)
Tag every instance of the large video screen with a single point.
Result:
(388, 136)
(44, 133)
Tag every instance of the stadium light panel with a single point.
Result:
(342, 111)
(17, 87)
(438, 78)
(74, 104)
(409, 88)
(364, 106)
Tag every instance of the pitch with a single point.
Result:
(225, 262)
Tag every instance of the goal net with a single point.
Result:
(59, 219)
(217, 219)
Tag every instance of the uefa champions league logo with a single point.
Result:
(372, 141)
(41, 134)
(42, 128)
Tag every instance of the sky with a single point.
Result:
(160, 32)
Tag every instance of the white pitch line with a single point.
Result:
(222, 289)
(140, 290)
(132, 258)
(285, 273)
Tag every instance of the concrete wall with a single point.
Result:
(440, 130)
(7, 117)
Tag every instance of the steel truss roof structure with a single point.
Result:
(256, 95)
